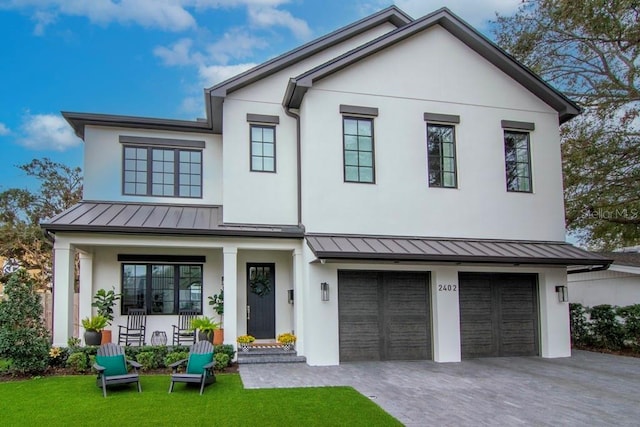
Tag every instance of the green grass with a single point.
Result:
(75, 400)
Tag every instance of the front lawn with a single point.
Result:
(75, 400)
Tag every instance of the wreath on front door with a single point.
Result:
(260, 285)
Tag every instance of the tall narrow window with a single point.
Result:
(517, 161)
(263, 148)
(441, 155)
(358, 150)
(135, 170)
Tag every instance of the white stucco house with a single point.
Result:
(401, 176)
(618, 285)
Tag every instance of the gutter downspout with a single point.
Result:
(288, 112)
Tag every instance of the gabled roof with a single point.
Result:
(566, 108)
(158, 219)
(218, 92)
(428, 249)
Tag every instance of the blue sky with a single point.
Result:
(150, 58)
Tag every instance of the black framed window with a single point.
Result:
(517, 161)
(441, 153)
(263, 148)
(163, 172)
(161, 288)
(358, 149)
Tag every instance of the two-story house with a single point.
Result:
(391, 190)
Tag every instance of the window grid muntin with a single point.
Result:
(160, 288)
(358, 149)
(517, 153)
(163, 172)
(262, 151)
(441, 156)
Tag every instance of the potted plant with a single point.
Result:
(245, 341)
(104, 301)
(93, 327)
(287, 340)
(205, 326)
(217, 302)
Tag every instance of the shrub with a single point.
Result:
(226, 349)
(606, 330)
(79, 362)
(174, 356)
(631, 317)
(58, 356)
(73, 342)
(580, 328)
(222, 361)
(159, 353)
(147, 359)
(23, 336)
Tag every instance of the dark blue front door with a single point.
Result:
(261, 300)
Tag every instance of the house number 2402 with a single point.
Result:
(447, 288)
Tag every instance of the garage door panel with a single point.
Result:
(498, 315)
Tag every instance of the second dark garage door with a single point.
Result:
(498, 315)
(384, 316)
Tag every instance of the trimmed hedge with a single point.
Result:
(605, 326)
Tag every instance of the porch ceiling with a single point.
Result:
(158, 219)
(437, 250)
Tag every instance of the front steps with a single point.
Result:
(268, 353)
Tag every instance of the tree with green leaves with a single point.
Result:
(24, 340)
(22, 210)
(590, 49)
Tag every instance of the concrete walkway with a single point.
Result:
(586, 389)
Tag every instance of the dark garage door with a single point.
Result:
(384, 316)
(498, 315)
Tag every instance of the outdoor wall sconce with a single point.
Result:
(290, 296)
(563, 293)
(324, 291)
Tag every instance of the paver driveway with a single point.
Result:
(586, 389)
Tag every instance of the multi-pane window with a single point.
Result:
(517, 161)
(161, 288)
(263, 148)
(441, 155)
(358, 150)
(165, 172)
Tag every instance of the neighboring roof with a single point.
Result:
(566, 108)
(218, 92)
(78, 121)
(144, 218)
(631, 259)
(326, 246)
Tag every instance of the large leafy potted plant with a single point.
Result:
(104, 301)
(205, 326)
(93, 327)
(217, 302)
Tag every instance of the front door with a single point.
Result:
(261, 300)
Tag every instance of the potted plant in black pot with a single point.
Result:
(93, 327)
(217, 302)
(104, 301)
(206, 327)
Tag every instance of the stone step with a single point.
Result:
(244, 358)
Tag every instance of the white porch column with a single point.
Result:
(298, 292)
(445, 308)
(230, 268)
(86, 288)
(555, 335)
(63, 277)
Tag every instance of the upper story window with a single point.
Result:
(441, 150)
(262, 135)
(517, 156)
(358, 145)
(152, 168)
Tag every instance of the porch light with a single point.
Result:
(290, 296)
(324, 291)
(563, 293)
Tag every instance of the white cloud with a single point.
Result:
(268, 16)
(212, 74)
(235, 43)
(475, 12)
(178, 53)
(47, 132)
(4, 130)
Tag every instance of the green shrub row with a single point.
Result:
(605, 326)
